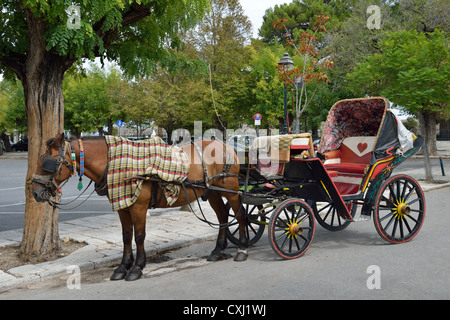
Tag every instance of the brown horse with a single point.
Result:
(55, 167)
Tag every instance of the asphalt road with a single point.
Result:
(12, 197)
(352, 264)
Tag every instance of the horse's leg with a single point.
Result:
(219, 208)
(239, 211)
(127, 235)
(138, 216)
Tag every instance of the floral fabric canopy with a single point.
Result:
(356, 117)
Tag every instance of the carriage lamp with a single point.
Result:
(287, 63)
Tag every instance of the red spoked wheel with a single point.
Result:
(399, 209)
(291, 228)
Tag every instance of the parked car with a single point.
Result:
(241, 142)
(22, 145)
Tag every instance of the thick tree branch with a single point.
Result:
(16, 63)
(135, 13)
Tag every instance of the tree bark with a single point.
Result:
(426, 129)
(44, 105)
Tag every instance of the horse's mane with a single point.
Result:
(50, 141)
(87, 138)
(72, 138)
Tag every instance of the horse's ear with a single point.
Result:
(60, 139)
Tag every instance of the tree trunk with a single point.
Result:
(5, 140)
(44, 104)
(296, 125)
(426, 129)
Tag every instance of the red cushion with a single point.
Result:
(349, 156)
(347, 167)
(332, 173)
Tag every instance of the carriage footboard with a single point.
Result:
(316, 183)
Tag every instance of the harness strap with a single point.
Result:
(102, 189)
(154, 196)
(226, 168)
(205, 171)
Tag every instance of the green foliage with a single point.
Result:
(267, 87)
(220, 40)
(167, 70)
(301, 16)
(89, 102)
(412, 70)
(12, 111)
(135, 33)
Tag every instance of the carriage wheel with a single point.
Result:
(329, 218)
(255, 222)
(399, 209)
(291, 228)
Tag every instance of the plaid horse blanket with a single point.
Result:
(128, 159)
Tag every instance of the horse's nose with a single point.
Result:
(37, 197)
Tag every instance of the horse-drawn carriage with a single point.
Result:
(284, 186)
(279, 182)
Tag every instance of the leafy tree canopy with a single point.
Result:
(412, 70)
(135, 33)
(12, 113)
(301, 15)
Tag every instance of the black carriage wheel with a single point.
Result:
(255, 222)
(399, 209)
(291, 228)
(329, 218)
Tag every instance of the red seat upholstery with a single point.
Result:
(350, 162)
(353, 155)
(357, 168)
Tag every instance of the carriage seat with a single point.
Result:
(353, 155)
(276, 151)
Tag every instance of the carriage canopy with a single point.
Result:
(365, 117)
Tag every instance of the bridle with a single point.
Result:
(52, 165)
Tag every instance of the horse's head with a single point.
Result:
(53, 168)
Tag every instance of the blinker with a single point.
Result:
(50, 165)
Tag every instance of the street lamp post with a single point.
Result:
(286, 63)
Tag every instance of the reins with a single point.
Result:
(97, 188)
(211, 224)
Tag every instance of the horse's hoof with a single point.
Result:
(119, 274)
(134, 274)
(241, 255)
(217, 256)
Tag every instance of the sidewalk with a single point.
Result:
(167, 229)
